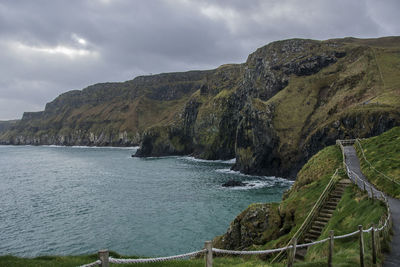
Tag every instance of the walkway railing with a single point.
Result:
(312, 214)
(378, 231)
(391, 179)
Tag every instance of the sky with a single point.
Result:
(48, 47)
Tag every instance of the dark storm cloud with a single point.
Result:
(48, 47)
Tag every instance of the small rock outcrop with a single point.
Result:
(247, 229)
(234, 183)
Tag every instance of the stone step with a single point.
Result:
(345, 181)
(322, 219)
(311, 237)
(340, 187)
(315, 232)
(331, 202)
(317, 228)
(330, 206)
(338, 191)
(327, 213)
(319, 223)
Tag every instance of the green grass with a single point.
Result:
(355, 208)
(299, 200)
(383, 152)
(69, 261)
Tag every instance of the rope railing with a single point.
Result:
(391, 179)
(372, 192)
(223, 251)
(161, 259)
(383, 227)
(96, 263)
(311, 215)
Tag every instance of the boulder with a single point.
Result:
(233, 183)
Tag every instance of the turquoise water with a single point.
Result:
(77, 200)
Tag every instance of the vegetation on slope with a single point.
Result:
(73, 261)
(346, 99)
(383, 154)
(285, 218)
(354, 209)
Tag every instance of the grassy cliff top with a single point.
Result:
(383, 154)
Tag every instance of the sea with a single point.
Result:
(77, 200)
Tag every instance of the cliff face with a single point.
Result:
(290, 99)
(107, 114)
(7, 125)
(273, 112)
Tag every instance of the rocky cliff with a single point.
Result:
(273, 112)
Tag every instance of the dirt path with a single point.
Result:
(392, 258)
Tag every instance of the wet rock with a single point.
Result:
(247, 229)
(234, 183)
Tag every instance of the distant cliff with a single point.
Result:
(272, 113)
(7, 125)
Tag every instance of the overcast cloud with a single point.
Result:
(48, 47)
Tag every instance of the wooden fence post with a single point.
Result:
(330, 255)
(103, 257)
(292, 252)
(372, 193)
(209, 254)
(373, 244)
(360, 228)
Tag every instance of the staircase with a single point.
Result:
(324, 215)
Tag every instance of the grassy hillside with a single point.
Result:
(286, 217)
(383, 154)
(354, 209)
(346, 99)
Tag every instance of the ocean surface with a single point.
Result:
(77, 200)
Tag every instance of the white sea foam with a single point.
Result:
(110, 147)
(230, 161)
(253, 184)
(264, 180)
(162, 157)
(190, 158)
(96, 147)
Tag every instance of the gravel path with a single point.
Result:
(393, 258)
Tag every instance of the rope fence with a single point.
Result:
(382, 230)
(391, 179)
(312, 214)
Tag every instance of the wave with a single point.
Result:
(274, 179)
(252, 184)
(96, 147)
(153, 158)
(190, 158)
